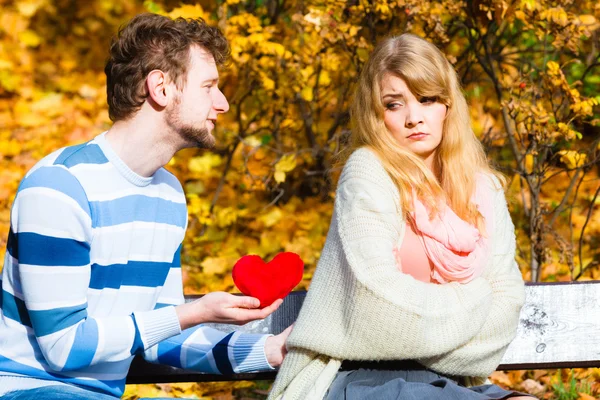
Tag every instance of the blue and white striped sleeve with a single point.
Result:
(51, 232)
(202, 348)
(209, 350)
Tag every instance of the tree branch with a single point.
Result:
(587, 219)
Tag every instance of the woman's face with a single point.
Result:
(416, 123)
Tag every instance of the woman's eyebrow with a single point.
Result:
(393, 96)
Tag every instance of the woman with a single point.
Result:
(417, 293)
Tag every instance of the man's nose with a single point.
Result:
(220, 103)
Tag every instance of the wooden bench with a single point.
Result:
(559, 328)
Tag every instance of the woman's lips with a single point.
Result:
(418, 136)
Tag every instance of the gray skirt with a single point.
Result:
(366, 384)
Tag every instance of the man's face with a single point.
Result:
(193, 112)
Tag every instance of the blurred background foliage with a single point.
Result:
(530, 70)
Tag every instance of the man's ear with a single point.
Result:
(158, 87)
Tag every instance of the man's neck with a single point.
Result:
(143, 142)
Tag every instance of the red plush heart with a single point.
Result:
(268, 281)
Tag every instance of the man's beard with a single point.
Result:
(193, 136)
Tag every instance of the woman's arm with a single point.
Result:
(481, 355)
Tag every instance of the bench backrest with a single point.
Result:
(559, 327)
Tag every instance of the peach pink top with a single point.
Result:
(411, 257)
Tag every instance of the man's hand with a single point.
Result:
(225, 308)
(275, 349)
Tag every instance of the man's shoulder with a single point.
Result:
(49, 182)
(70, 156)
(164, 177)
(85, 153)
(55, 171)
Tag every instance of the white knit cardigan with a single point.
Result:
(361, 307)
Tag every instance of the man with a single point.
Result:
(92, 274)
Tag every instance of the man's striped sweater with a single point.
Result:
(91, 274)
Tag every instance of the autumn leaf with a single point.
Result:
(585, 396)
(271, 217)
(324, 78)
(285, 164)
(205, 163)
(30, 38)
(572, 159)
(529, 163)
(189, 11)
(279, 176)
(307, 93)
(268, 83)
(216, 265)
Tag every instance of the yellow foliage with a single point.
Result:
(29, 38)
(565, 131)
(584, 107)
(279, 176)
(272, 242)
(217, 265)
(304, 247)
(529, 163)
(268, 83)
(307, 73)
(189, 11)
(13, 23)
(225, 216)
(27, 8)
(572, 159)
(271, 218)
(585, 396)
(9, 148)
(307, 93)
(556, 15)
(133, 392)
(587, 19)
(199, 207)
(553, 67)
(324, 78)
(273, 48)
(49, 104)
(286, 164)
(205, 163)
(252, 141)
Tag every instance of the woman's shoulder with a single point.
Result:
(365, 170)
(363, 162)
(362, 156)
(489, 182)
(490, 194)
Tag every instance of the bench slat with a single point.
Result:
(559, 327)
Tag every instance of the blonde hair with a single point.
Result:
(460, 156)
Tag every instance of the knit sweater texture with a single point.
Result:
(360, 307)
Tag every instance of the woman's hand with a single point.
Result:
(275, 349)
